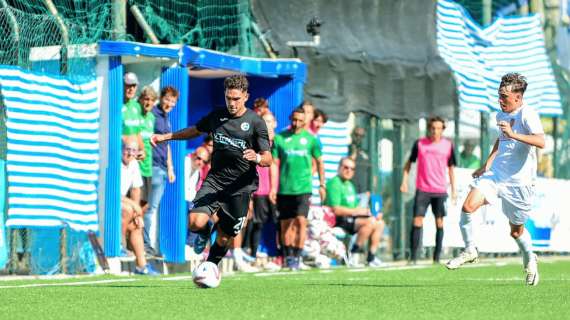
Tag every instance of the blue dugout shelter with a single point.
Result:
(198, 74)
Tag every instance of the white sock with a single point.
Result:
(466, 225)
(238, 253)
(525, 244)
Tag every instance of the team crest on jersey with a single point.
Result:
(303, 141)
(244, 126)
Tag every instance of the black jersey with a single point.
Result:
(230, 171)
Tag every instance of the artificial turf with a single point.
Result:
(489, 290)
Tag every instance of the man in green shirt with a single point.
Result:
(466, 158)
(293, 151)
(131, 112)
(147, 100)
(342, 199)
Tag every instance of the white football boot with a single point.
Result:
(531, 271)
(466, 256)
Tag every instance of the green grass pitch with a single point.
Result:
(493, 289)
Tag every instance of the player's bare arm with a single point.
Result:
(350, 212)
(263, 159)
(274, 173)
(536, 140)
(322, 185)
(451, 173)
(404, 185)
(184, 134)
(489, 161)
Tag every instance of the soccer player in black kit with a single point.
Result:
(240, 143)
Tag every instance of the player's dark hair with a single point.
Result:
(435, 119)
(322, 114)
(298, 110)
(237, 81)
(515, 81)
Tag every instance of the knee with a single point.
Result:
(198, 221)
(469, 207)
(223, 239)
(515, 234)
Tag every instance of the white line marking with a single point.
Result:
(66, 283)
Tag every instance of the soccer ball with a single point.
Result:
(206, 275)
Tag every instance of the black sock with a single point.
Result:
(438, 243)
(355, 248)
(370, 257)
(217, 252)
(296, 252)
(288, 251)
(247, 237)
(255, 237)
(415, 242)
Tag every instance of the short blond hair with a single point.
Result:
(148, 91)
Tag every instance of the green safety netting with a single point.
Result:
(213, 24)
(498, 7)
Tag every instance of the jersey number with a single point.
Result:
(239, 225)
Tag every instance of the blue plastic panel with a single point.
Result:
(112, 239)
(173, 209)
(126, 48)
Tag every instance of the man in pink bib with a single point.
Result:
(435, 157)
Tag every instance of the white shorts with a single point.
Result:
(516, 200)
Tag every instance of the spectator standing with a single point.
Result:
(466, 158)
(261, 107)
(342, 199)
(147, 100)
(162, 168)
(293, 150)
(131, 112)
(132, 214)
(263, 209)
(362, 175)
(309, 109)
(435, 157)
(318, 121)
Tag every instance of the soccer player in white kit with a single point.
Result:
(508, 175)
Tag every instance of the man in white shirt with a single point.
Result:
(508, 174)
(132, 214)
(193, 165)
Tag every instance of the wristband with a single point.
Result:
(257, 158)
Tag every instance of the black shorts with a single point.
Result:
(348, 224)
(292, 206)
(263, 209)
(231, 208)
(423, 199)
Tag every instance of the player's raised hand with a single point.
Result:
(506, 128)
